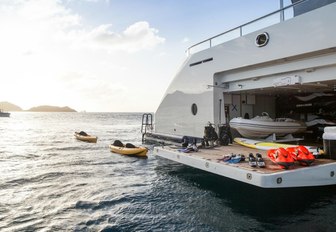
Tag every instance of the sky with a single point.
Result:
(106, 55)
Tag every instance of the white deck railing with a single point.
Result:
(283, 14)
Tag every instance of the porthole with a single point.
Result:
(194, 109)
(262, 39)
(206, 164)
(249, 176)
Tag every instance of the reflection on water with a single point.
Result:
(262, 209)
(51, 181)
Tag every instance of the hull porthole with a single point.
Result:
(207, 165)
(279, 180)
(249, 176)
(262, 39)
(194, 109)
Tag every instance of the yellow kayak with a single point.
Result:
(137, 151)
(86, 138)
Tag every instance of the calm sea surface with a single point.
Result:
(52, 182)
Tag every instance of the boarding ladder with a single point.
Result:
(146, 125)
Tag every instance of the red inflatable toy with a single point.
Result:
(301, 154)
(281, 157)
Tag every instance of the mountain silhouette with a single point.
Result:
(7, 106)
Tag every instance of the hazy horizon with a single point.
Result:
(103, 55)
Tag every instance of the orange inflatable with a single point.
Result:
(301, 154)
(281, 157)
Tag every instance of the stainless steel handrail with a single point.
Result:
(281, 11)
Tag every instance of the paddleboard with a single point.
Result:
(265, 145)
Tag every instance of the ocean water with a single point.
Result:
(52, 182)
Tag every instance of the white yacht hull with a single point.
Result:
(317, 175)
(239, 77)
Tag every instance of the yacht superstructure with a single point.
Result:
(261, 66)
(241, 76)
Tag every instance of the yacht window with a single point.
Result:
(262, 39)
(203, 61)
(194, 109)
(196, 63)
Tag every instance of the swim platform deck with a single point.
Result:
(320, 173)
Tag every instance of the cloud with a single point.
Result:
(138, 36)
(185, 40)
(34, 26)
(51, 55)
(41, 12)
(37, 23)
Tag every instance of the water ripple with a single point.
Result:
(52, 182)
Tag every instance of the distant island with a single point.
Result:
(7, 106)
(46, 108)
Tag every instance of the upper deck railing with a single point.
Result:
(283, 14)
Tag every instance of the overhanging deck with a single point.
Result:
(320, 173)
